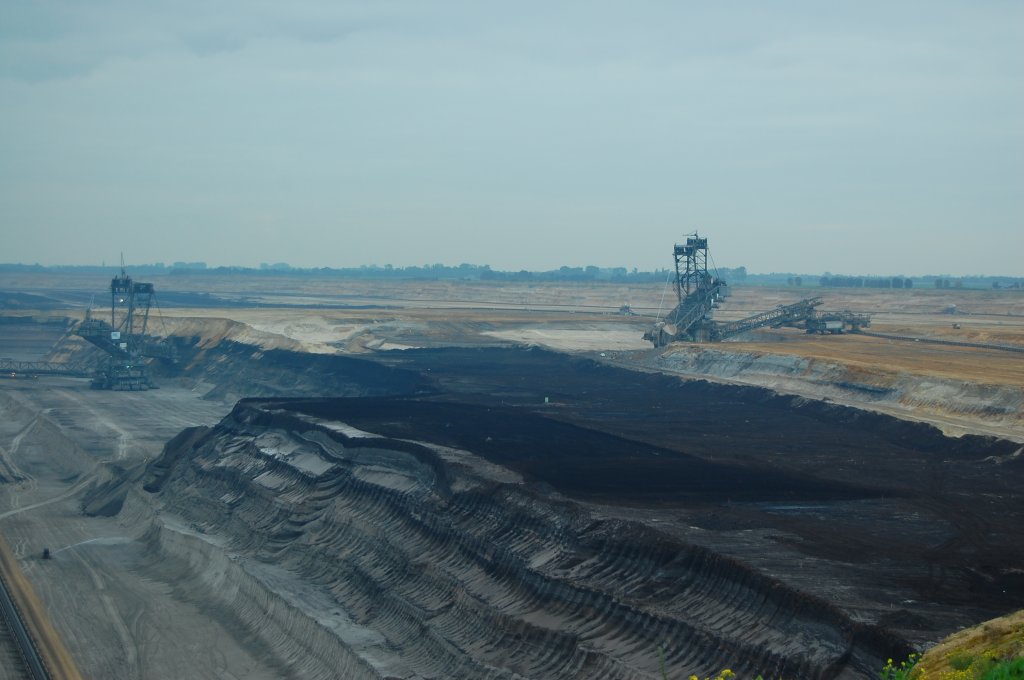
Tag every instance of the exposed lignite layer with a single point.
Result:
(439, 564)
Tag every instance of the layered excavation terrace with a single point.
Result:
(481, 530)
(422, 560)
(960, 391)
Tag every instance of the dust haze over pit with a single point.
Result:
(871, 139)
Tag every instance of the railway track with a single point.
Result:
(29, 638)
(18, 648)
(11, 665)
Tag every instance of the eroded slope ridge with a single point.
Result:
(411, 559)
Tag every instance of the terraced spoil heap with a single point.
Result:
(417, 559)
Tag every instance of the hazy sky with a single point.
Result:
(854, 137)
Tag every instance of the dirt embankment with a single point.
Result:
(228, 370)
(422, 560)
(960, 391)
(969, 653)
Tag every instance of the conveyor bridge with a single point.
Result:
(784, 315)
(12, 368)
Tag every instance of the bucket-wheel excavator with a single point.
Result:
(700, 292)
(124, 337)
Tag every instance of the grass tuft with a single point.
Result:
(1007, 669)
(901, 672)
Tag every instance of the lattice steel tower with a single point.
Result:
(691, 266)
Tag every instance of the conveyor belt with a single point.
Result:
(936, 341)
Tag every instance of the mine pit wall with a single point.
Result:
(220, 585)
(233, 370)
(26, 338)
(1001, 406)
(491, 581)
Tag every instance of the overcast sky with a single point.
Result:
(851, 137)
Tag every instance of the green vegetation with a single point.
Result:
(993, 650)
(901, 672)
(964, 667)
(1008, 669)
(961, 666)
(985, 666)
(725, 674)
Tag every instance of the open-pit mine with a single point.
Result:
(353, 479)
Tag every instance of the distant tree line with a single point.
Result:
(865, 282)
(463, 272)
(473, 272)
